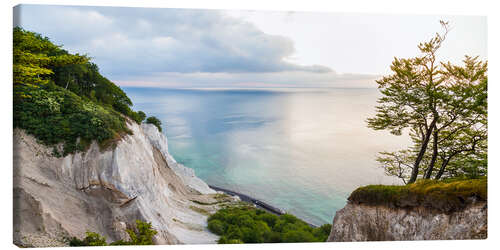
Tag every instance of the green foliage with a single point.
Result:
(92, 239)
(216, 227)
(225, 240)
(62, 98)
(444, 195)
(250, 225)
(140, 116)
(444, 108)
(155, 121)
(35, 56)
(55, 115)
(141, 235)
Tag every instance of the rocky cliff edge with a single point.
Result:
(106, 191)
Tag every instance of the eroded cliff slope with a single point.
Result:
(106, 191)
(426, 210)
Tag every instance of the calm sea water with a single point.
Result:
(301, 150)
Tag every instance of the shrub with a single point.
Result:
(92, 239)
(298, 236)
(140, 116)
(250, 225)
(216, 226)
(141, 235)
(155, 121)
(55, 115)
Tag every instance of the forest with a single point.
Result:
(63, 100)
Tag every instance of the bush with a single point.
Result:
(250, 225)
(92, 239)
(140, 116)
(55, 115)
(298, 236)
(216, 226)
(155, 121)
(142, 235)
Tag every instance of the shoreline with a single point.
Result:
(256, 202)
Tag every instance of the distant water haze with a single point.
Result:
(302, 150)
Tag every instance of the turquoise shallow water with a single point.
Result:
(301, 150)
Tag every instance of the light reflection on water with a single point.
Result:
(303, 151)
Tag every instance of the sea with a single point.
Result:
(301, 150)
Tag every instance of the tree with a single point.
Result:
(143, 235)
(141, 116)
(60, 97)
(34, 58)
(438, 101)
(155, 121)
(465, 114)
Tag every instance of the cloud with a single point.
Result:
(135, 40)
(288, 79)
(178, 47)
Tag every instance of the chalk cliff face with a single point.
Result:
(105, 192)
(358, 222)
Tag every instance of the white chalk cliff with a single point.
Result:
(106, 191)
(360, 222)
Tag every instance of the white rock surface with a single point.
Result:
(358, 222)
(105, 192)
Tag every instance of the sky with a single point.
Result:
(186, 48)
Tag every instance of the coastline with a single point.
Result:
(256, 202)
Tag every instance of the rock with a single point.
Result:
(104, 192)
(359, 222)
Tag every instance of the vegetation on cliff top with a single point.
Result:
(251, 225)
(445, 195)
(155, 121)
(61, 98)
(443, 107)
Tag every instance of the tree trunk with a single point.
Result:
(441, 169)
(434, 155)
(421, 154)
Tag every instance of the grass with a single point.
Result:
(446, 195)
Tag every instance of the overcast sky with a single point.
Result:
(207, 48)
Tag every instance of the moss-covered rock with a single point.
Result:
(446, 195)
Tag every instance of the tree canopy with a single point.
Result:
(61, 97)
(141, 234)
(247, 224)
(444, 109)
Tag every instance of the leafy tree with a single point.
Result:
(322, 232)
(251, 225)
(155, 121)
(62, 98)
(91, 239)
(216, 226)
(141, 235)
(34, 55)
(441, 104)
(298, 236)
(141, 116)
